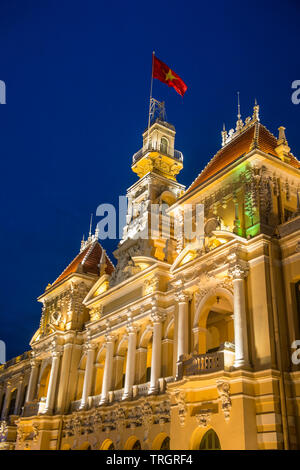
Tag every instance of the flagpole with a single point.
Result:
(151, 86)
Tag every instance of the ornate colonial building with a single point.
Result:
(184, 344)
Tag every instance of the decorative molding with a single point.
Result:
(203, 419)
(182, 408)
(224, 396)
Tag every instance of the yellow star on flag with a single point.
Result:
(170, 76)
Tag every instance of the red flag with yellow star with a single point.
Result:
(166, 75)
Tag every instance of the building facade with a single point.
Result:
(186, 343)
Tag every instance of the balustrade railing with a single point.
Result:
(177, 155)
(199, 364)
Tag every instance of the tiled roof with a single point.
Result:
(87, 262)
(239, 146)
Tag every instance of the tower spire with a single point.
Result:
(91, 222)
(256, 111)
(239, 122)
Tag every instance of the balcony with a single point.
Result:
(138, 155)
(199, 364)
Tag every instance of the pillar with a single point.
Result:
(19, 395)
(238, 273)
(108, 366)
(183, 324)
(6, 400)
(87, 383)
(51, 392)
(130, 364)
(31, 390)
(157, 319)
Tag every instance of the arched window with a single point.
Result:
(164, 145)
(210, 441)
(107, 445)
(165, 445)
(137, 445)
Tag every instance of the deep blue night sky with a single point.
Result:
(78, 75)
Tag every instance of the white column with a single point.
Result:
(19, 396)
(6, 400)
(108, 367)
(238, 273)
(51, 392)
(31, 390)
(87, 383)
(130, 364)
(157, 319)
(183, 323)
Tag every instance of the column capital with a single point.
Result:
(56, 353)
(182, 296)
(239, 270)
(34, 362)
(109, 337)
(89, 346)
(131, 328)
(157, 315)
(21, 378)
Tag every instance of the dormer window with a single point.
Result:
(164, 145)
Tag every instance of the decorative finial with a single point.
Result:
(281, 136)
(224, 135)
(256, 111)
(96, 236)
(239, 123)
(82, 243)
(90, 232)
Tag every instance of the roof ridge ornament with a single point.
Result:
(239, 122)
(255, 115)
(91, 238)
(240, 125)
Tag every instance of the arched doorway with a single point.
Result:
(80, 377)
(144, 357)
(44, 382)
(210, 441)
(120, 362)
(214, 323)
(99, 371)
